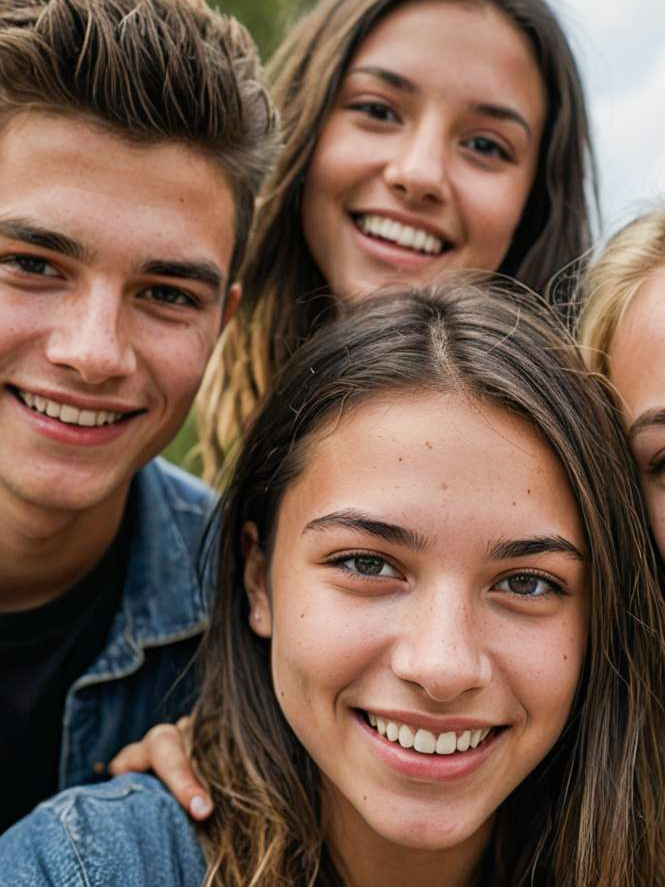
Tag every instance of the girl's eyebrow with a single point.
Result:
(509, 548)
(489, 109)
(648, 419)
(389, 77)
(365, 523)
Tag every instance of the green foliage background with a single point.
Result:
(267, 21)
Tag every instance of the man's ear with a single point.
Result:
(256, 582)
(231, 302)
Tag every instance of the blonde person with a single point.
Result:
(419, 137)
(436, 651)
(622, 330)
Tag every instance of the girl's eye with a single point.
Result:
(488, 147)
(376, 110)
(367, 565)
(31, 265)
(657, 465)
(529, 585)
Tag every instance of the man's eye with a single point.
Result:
(367, 565)
(529, 585)
(31, 265)
(169, 295)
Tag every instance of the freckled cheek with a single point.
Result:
(177, 367)
(316, 655)
(544, 671)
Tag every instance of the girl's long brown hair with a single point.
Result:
(285, 297)
(593, 812)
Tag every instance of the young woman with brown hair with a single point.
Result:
(419, 137)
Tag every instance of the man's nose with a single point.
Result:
(90, 335)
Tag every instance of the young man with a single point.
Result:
(133, 138)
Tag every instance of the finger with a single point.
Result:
(167, 749)
(133, 757)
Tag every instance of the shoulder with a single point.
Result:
(183, 491)
(129, 832)
(171, 501)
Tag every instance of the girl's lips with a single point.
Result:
(392, 254)
(409, 762)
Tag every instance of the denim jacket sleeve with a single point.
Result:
(128, 832)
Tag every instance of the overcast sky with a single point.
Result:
(620, 47)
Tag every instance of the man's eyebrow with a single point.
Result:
(510, 548)
(389, 77)
(364, 523)
(35, 235)
(203, 271)
(647, 420)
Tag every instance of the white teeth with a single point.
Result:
(419, 240)
(464, 741)
(67, 413)
(87, 418)
(404, 235)
(446, 744)
(405, 736)
(426, 742)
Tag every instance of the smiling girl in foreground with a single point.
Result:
(437, 641)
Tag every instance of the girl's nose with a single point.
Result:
(440, 646)
(419, 168)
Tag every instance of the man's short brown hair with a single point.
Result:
(150, 71)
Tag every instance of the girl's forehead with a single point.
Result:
(429, 456)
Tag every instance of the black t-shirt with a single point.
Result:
(42, 652)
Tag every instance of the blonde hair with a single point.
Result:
(612, 282)
(285, 295)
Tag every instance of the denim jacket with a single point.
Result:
(144, 675)
(129, 832)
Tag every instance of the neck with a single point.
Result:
(365, 858)
(45, 551)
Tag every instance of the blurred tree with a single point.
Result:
(267, 21)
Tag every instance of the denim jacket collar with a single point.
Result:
(164, 598)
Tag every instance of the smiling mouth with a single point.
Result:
(68, 414)
(424, 741)
(415, 239)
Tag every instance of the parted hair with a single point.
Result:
(284, 290)
(612, 281)
(150, 71)
(593, 811)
